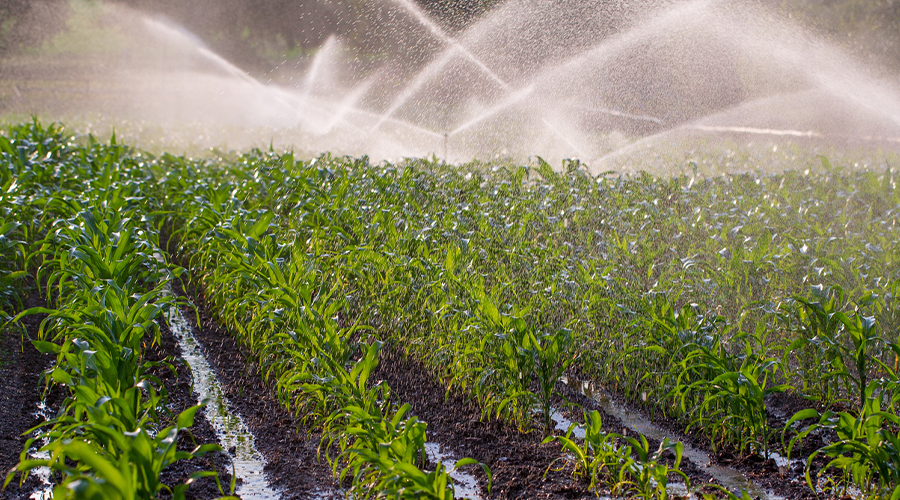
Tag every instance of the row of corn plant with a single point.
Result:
(513, 356)
(699, 298)
(518, 255)
(99, 264)
(286, 310)
(625, 464)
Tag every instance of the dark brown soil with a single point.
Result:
(20, 391)
(20, 370)
(518, 461)
(181, 397)
(788, 483)
(289, 448)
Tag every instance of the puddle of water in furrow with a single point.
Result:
(45, 491)
(230, 429)
(727, 477)
(676, 490)
(465, 485)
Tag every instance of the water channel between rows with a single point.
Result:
(234, 436)
(635, 421)
(249, 463)
(45, 490)
(230, 430)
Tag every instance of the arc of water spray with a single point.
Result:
(440, 35)
(711, 128)
(236, 72)
(563, 138)
(414, 86)
(441, 62)
(614, 112)
(513, 99)
(226, 66)
(316, 66)
(349, 103)
(755, 131)
(436, 65)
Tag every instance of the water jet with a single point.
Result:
(511, 82)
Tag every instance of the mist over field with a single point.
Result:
(651, 84)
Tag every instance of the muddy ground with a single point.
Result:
(20, 391)
(21, 366)
(784, 483)
(290, 448)
(519, 461)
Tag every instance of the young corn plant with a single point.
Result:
(818, 353)
(109, 439)
(649, 477)
(597, 459)
(731, 397)
(552, 359)
(867, 451)
(128, 464)
(12, 250)
(630, 469)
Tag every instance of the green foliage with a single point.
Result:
(730, 399)
(626, 464)
(598, 458)
(106, 284)
(701, 299)
(867, 450)
(648, 475)
(110, 460)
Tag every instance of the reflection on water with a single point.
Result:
(465, 485)
(233, 435)
(634, 421)
(45, 491)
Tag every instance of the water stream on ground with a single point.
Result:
(465, 485)
(635, 421)
(45, 491)
(233, 435)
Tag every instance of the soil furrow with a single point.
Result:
(784, 484)
(181, 397)
(517, 460)
(290, 449)
(20, 378)
(20, 391)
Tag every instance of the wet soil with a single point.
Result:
(20, 391)
(785, 482)
(518, 461)
(290, 449)
(182, 397)
(20, 373)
